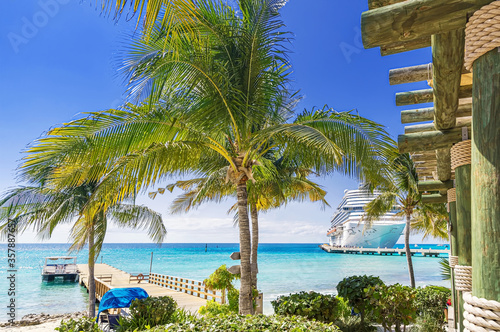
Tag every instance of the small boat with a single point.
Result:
(60, 268)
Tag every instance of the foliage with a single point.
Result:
(428, 323)
(233, 296)
(311, 305)
(151, 311)
(431, 301)
(354, 324)
(353, 289)
(221, 279)
(84, 324)
(445, 268)
(257, 323)
(344, 310)
(393, 305)
(431, 220)
(214, 309)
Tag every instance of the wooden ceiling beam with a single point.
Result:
(433, 185)
(420, 128)
(427, 114)
(405, 46)
(427, 96)
(420, 73)
(429, 140)
(434, 199)
(372, 4)
(409, 20)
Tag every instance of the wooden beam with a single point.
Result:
(410, 74)
(434, 185)
(427, 96)
(443, 158)
(405, 46)
(460, 122)
(448, 60)
(372, 4)
(429, 140)
(434, 198)
(411, 20)
(421, 73)
(427, 114)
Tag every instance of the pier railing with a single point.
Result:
(192, 287)
(100, 288)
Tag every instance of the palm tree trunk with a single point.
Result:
(91, 273)
(408, 252)
(255, 243)
(245, 301)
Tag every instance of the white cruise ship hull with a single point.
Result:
(380, 235)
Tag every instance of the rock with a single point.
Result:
(36, 319)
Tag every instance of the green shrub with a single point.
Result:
(354, 324)
(233, 298)
(428, 323)
(311, 305)
(221, 279)
(392, 305)
(431, 301)
(84, 324)
(353, 289)
(214, 309)
(151, 311)
(257, 323)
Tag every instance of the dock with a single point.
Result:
(189, 294)
(383, 251)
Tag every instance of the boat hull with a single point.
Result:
(353, 234)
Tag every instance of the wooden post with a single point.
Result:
(486, 176)
(452, 207)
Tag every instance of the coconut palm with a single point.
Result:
(42, 208)
(278, 181)
(431, 220)
(215, 82)
(402, 193)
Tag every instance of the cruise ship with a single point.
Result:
(347, 225)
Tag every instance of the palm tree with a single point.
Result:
(43, 208)
(278, 181)
(216, 83)
(402, 193)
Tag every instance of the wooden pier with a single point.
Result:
(383, 251)
(189, 294)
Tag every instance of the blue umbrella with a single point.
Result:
(120, 298)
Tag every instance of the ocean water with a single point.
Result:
(283, 269)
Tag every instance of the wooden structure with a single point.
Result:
(189, 294)
(383, 251)
(466, 105)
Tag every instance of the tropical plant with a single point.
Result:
(445, 268)
(216, 81)
(393, 305)
(311, 305)
(431, 220)
(402, 194)
(148, 312)
(354, 324)
(353, 289)
(43, 208)
(431, 301)
(84, 324)
(222, 280)
(215, 309)
(277, 181)
(240, 323)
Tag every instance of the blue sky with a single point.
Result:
(57, 59)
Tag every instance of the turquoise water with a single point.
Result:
(283, 268)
